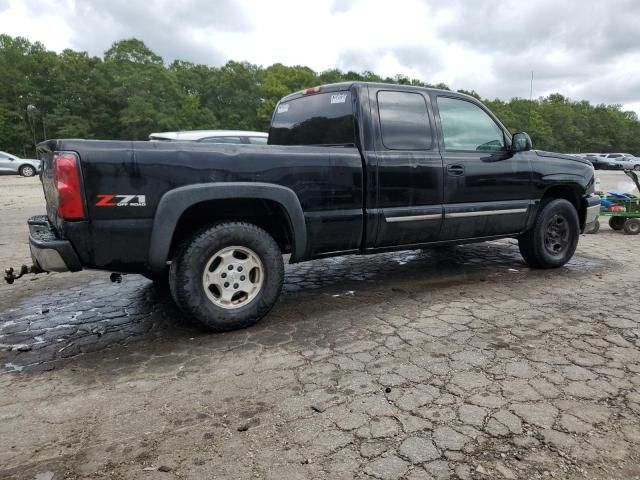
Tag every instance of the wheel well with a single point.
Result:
(26, 165)
(266, 214)
(569, 193)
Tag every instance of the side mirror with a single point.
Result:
(521, 142)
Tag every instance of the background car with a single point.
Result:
(24, 166)
(212, 136)
(627, 160)
(599, 162)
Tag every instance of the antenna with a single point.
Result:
(531, 89)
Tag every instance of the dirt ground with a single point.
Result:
(456, 363)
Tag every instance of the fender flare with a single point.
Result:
(568, 180)
(175, 202)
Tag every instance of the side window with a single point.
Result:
(258, 140)
(221, 140)
(615, 155)
(465, 126)
(404, 121)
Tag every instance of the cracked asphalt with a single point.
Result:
(457, 363)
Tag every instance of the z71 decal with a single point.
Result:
(121, 201)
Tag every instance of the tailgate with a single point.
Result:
(45, 154)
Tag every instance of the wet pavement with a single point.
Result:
(90, 314)
(449, 363)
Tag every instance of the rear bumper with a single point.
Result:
(49, 252)
(593, 209)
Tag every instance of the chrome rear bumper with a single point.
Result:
(48, 252)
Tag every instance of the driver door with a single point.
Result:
(487, 189)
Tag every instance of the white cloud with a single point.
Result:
(585, 49)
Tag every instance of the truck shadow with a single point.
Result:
(100, 325)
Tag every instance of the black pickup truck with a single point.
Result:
(351, 168)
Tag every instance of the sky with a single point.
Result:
(583, 49)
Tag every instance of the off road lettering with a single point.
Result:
(111, 200)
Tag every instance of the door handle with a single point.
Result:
(455, 170)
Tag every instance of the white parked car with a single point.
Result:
(24, 166)
(212, 136)
(626, 159)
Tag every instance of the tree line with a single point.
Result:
(131, 92)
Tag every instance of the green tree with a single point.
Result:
(147, 95)
(232, 93)
(130, 92)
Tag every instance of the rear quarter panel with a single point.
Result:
(327, 181)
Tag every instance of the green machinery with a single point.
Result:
(623, 210)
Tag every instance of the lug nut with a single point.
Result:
(242, 278)
(230, 267)
(226, 284)
(239, 269)
(224, 275)
(235, 285)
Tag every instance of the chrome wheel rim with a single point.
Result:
(233, 277)
(556, 238)
(27, 171)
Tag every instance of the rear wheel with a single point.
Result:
(553, 239)
(227, 276)
(636, 167)
(632, 226)
(27, 171)
(616, 223)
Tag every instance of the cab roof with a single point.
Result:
(342, 86)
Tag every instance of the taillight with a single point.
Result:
(66, 178)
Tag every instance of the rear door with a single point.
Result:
(487, 189)
(327, 174)
(407, 208)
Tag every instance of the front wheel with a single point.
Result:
(553, 239)
(227, 276)
(27, 171)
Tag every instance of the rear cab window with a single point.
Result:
(404, 121)
(323, 119)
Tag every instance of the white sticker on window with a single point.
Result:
(284, 108)
(339, 98)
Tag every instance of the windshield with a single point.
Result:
(320, 119)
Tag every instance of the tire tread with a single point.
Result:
(530, 246)
(186, 289)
